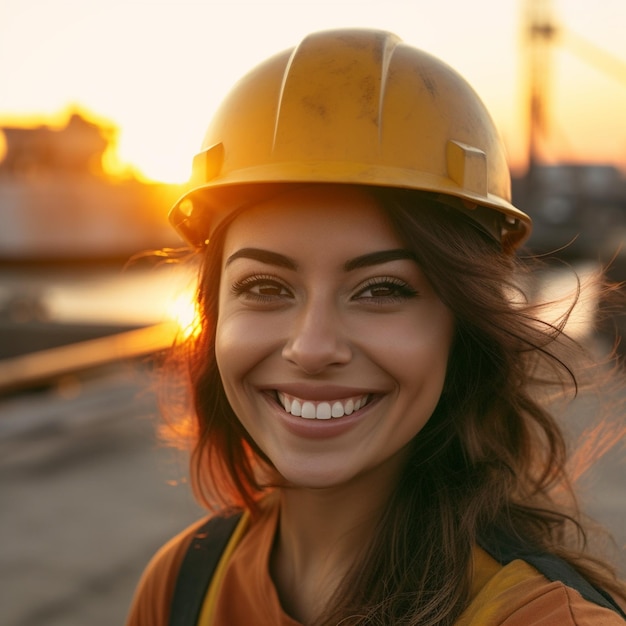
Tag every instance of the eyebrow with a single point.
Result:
(378, 258)
(280, 260)
(263, 256)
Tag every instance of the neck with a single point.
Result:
(322, 533)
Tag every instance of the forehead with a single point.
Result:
(332, 216)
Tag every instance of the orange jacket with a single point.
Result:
(241, 592)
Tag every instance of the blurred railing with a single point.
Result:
(39, 368)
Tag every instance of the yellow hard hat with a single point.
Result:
(355, 106)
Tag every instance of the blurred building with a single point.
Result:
(578, 210)
(579, 216)
(79, 147)
(58, 203)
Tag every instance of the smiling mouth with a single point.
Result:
(321, 410)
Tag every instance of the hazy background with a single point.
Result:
(158, 69)
(102, 106)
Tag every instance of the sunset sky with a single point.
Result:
(158, 69)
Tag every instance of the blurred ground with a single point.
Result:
(87, 497)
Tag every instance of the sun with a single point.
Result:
(167, 161)
(183, 310)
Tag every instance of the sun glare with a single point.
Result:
(137, 151)
(183, 311)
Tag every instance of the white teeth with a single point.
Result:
(308, 410)
(322, 411)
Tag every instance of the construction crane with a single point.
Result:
(542, 32)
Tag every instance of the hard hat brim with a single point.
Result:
(198, 212)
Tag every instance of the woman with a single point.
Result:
(368, 385)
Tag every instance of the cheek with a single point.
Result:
(416, 355)
(232, 354)
(418, 343)
(242, 341)
(232, 350)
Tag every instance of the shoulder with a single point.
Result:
(556, 603)
(518, 595)
(151, 602)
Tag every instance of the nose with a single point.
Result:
(317, 339)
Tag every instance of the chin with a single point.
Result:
(322, 478)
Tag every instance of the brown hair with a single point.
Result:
(491, 458)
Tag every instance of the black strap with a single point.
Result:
(198, 567)
(505, 549)
(210, 540)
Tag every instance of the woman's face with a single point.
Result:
(331, 343)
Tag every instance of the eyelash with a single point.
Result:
(245, 286)
(399, 289)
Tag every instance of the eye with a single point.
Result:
(385, 289)
(261, 288)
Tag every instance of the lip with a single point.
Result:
(318, 428)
